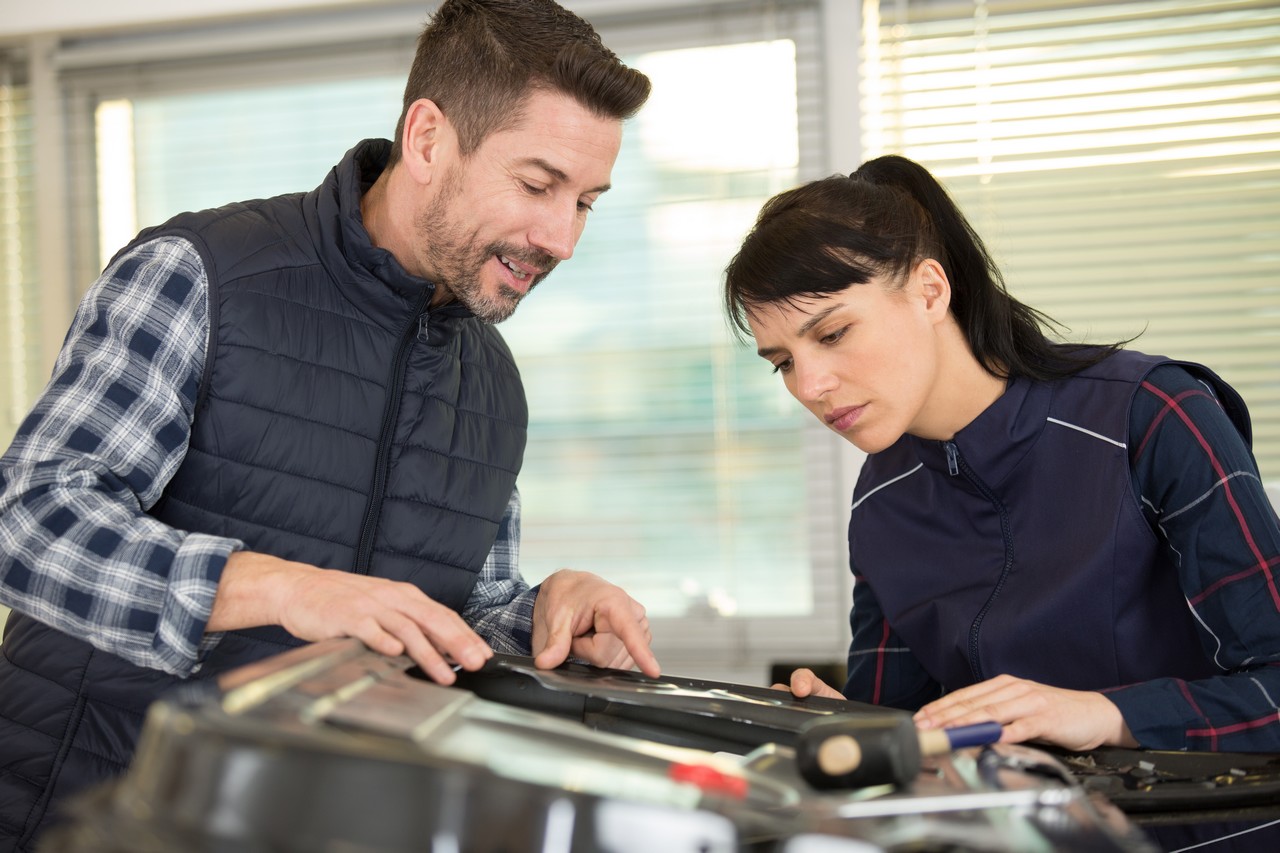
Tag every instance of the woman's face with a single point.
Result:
(864, 360)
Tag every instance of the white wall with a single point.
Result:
(31, 17)
(23, 17)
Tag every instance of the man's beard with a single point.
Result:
(455, 260)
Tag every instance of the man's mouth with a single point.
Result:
(521, 272)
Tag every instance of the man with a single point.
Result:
(291, 419)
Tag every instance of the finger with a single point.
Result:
(966, 697)
(623, 661)
(433, 663)
(419, 648)
(982, 688)
(621, 657)
(591, 648)
(988, 714)
(1017, 731)
(802, 682)
(602, 650)
(978, 699)
(434, 636)
(608, 647)
(1005, 706)
(559, 642)
(960, 715)
(450, 635)
(369, 632)
(635, 635)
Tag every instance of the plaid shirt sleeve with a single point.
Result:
(882, 669)
(501, 605)
(77, 550)
(1201, 491)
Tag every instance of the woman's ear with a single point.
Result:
(426, 134)
(934, 287)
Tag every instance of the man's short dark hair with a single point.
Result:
(479, 60)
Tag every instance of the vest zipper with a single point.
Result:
(390, 413)
(956, 465)
(953, 466)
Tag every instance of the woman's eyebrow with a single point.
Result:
(805, 327)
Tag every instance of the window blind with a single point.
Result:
(1122, 160)
(663, 453)
(19, 294)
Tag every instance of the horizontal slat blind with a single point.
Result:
(19, 303)
(19, 292)
(1121, 159)
(662, 452)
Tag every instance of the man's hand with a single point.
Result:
(582, 615)
(805, 683)
(1073, 719)
(319, 604)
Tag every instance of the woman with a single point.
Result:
(1071, 540)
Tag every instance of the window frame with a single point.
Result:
(337, 44)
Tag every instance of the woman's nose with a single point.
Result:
(813, 380)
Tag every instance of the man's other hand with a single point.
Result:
(582, 615)
(319, 604)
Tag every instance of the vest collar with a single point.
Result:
(996, 441)
(374, 279)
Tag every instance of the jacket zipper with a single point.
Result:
(417, 328)
(957, 465)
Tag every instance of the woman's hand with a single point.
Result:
(1073, 719)
(805, 683)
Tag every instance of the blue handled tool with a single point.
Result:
(855, 751)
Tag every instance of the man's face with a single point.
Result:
(504, 216)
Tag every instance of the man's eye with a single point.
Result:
(531, 189)
(782, 366)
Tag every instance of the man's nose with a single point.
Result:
(557, 233)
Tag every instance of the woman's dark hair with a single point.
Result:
(882, 220)
(478, 60)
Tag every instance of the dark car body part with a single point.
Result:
(332, 747)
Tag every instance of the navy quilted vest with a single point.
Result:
(339, 423)
(1027, 551)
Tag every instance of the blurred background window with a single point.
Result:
(663, 454)
(1122, 160)
(20, 329)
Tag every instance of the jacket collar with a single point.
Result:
(996, 441)
(377, 282)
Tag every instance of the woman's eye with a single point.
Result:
(782, 367)
(834, 336)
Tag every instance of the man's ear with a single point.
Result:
(426, 136)
(934, 287)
